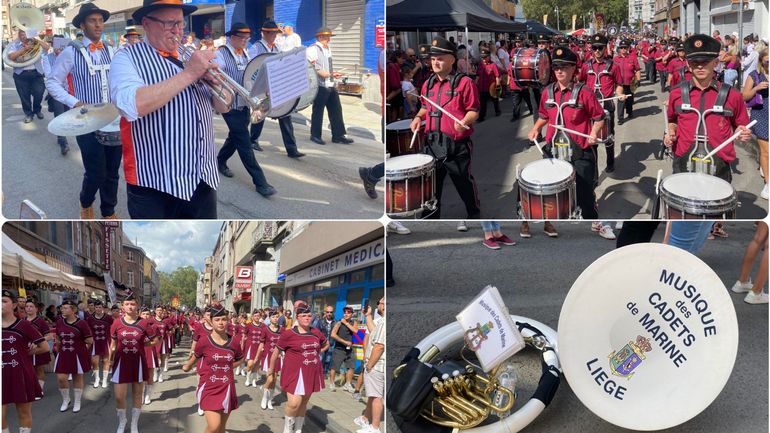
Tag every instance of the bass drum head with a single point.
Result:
(648, 336)
(255, 80)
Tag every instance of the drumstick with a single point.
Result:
(728, 141)
(414, 135)
(571, 131)
(534, 140)
(609, 99)
(442, 110)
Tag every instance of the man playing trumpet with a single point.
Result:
(28, 79)
(167, 127)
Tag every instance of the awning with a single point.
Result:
(19, 262)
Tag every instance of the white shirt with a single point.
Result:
(124, 82)
(290, 42)
(406, 87)
(16, 46)
(312, 57)
(504, 58)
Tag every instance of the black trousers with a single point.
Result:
(652, 73)
(30, 87)
(458, 166)
(57, 108)
(376, 172)
(585, 181)
(663, 78)
(609, 144)
(150, 204)
(722, 171)
(238, 140)
(517, 97)
(636, 232)
(101, 164)
(536, 95)
(287, 133)
(484, 97)
(627, 106)
(327, 98)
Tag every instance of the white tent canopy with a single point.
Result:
(17, 262)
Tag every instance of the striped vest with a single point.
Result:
(171, 149)
(88, 86)
(326, 64)
(235, 67)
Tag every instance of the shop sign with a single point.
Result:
(360, 257)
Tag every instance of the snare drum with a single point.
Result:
(604, 133)
(110, 134)
(547, 190)
(531, 66)
(398, 136)
(697, 196)
(410, 185)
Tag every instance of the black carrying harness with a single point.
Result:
(695, 162)
(563, 147)
(437, 141)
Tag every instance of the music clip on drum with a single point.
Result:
(648, 336)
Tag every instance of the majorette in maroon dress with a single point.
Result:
(19, 380)
(170, 322)
(151, 358)
(161, 328)
(216, 386)
(303, 372)
(269, 339)
(43, 328)
(253, 336)
(73, 356)
(128, 365)
(200, 332)
(100, 327)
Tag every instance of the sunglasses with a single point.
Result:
(597, 48)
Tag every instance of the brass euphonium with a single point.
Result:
(26, 17)
(226, 88)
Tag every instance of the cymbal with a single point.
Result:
(83, 120)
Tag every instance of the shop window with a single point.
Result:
(326, 284)
(358, 276)
(377, 272)
(354, 299)
(305, 289)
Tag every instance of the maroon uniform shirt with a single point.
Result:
(487, 73)
(465, 99)
(577, 119)
(628, 66)
(607, 82)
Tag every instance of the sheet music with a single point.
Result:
(287, 77)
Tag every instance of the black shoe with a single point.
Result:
(342, 140)
(255, 145)
(317, 140)
(27, 119)
(266, 191)
(296, 155)
(620, 122)
(40, 115)
(363, 172)
(226, 172)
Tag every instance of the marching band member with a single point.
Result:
(39, 360)
(100, 324)
(677, 68)
(578, 117)
(268, 45)
(291, 40)
(88, 62)
(130, 334)
(251, 341)
(216, 354)
(519, 94)
(267, 343)
(303, 372)
(449, 141)
(54, 106)
(162, 348)
(320, 55)
(201, 330)
(172, 324)
(170, 168)
(629, 72)
(21, 342)
(703, 91)
(151, 359)
(73, 345)
(661, 65)
(29, 79)
(602, 76)
(131, 37)
(488, 73)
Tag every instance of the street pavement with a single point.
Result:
(439, 270)
(174, 410)
(322, 185)
(501, 145)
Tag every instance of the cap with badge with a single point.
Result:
(70, 302)
(424, 51)
(624, 43)
(440, 46)
(701, 47)
(485, 52)
(564, 56)
(9, 294)
(680, 46)
(599, 40)
(541, 38)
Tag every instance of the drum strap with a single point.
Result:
(93, 69)
(701, 133)
(437, 142)
(605, 71)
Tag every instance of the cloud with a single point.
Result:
(175, 244)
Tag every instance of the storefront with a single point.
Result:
(352, 279)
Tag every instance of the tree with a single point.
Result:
(615, 11)
(182, 281)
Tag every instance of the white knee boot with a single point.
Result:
(135, 412)
(65, 395)
(121, 420)
(288, 426)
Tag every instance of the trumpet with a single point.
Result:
(226, 88)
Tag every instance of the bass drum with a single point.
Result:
(255, 81)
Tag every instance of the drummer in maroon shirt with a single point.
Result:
(701, 52)
(677, 68)
(447, 140)
(577, 118)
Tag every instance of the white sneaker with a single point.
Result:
(754, 298)
(254, 383)
(361, 421)
(606, 232)
(462, 227)
(332, 387)
(368, 429)
(397, 227)
(165, 368)
(349, 388)
(596, 226)
(740, 287)
(764, 193)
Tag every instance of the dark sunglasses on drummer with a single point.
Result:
(597, 48)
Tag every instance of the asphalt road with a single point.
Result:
(322, 185)
(438, 270)
(500, 146)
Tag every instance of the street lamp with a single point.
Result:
(556, 9)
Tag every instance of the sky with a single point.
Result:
(175, 244)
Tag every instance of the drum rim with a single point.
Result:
(695, 206)
(411, 172)
(547, 188)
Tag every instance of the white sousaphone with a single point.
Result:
(647, 336)
(26, 17)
